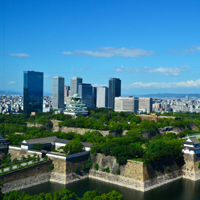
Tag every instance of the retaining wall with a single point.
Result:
(23, 178)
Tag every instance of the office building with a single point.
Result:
(85, 92)
(33, 92)
(94, 96)
(126, 104)
(145, 104)
(75, 81)
(58, 93)
(66, 92)
(114, 91)
(102, 97)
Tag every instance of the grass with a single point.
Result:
(137, 159)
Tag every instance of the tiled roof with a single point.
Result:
(41, 140)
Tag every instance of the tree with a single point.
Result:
(74, 146)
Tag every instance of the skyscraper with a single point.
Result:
(114, 91)
(102, 97)
(85, 91)
(145, 104)
(75, 81)
(94, 96)
(66, 92)
(33, 91)
(58, 93)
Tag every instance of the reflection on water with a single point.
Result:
(178, 190)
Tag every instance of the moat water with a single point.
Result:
(181, 189)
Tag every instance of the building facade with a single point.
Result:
(66, 92)
(85, 91)
(145, 104)
(75, 81)
(126, 104)
(114, 91)
(33, 92)
(58, 93)
(94, 96)
(102, 97)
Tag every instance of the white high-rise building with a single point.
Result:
(75, 81)
(102, 97)
(126, 104)
(58, 93)
(145, 104)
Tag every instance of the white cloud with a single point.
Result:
(190, 50)
(169, 71)
(109, 52)
(67, 53)
(99, 85)
(79, 69)
(11, 82)
(20, 55)
(182, 84)
(46, 76)
(173, 51)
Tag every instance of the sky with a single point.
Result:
(153, 46)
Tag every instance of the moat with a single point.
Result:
(181, 189)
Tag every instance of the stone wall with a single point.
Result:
(64, 167)
(26, 177)
(134, 174)
(17, 152)
(191, 168)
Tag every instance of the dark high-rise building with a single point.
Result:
(94, 96)
(113, 91)
(33, 91)
(85, 91)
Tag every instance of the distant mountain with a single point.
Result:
(2, 92)
(168, 95)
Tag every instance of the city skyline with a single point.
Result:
(152, 46)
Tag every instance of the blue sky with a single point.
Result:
(151, 45)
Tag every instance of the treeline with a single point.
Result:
(61, 195)
(131, 146)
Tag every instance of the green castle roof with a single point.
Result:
(76, 96)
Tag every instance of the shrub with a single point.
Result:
(51, 166)
(89, 164)
(199, 164)
(10, 167)
(75, 169)
(38, 158)
(45, 158)
(74, 146)
(15, 160)
(106, 170)
(96, 166)
(118, 172)
(167, 168)
(83, 167)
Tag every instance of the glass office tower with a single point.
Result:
(114, 91)
(33, 92)
(85, 91)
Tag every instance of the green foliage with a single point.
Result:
(75, 169)
(89, 163)
(83, 167)
(199, 165)
(45, 158)
(51, 166)
(15, 160)
(96, 166)
(74, 146)
(167, 169)
(106, 170)
(118, 172)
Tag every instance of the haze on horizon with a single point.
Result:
(152, 46)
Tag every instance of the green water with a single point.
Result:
(178, 190)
